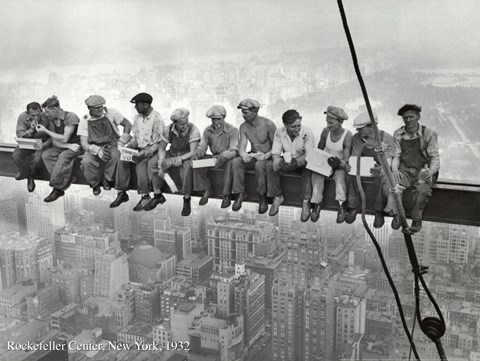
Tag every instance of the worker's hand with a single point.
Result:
(397, 176)
(247, 158)
(196, 155)
(40, 128)
(334, 162)
(347, 167)
(381, 148)
(74, 146)
(102, 154)
(124, 139)
(376, 171)
(429, 176)
(221, 160)
(260, 156)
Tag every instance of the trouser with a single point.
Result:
(421, 193)
(144, 179)
(275, 190)
(28, 162)
(95, 169)
(318, 184)
(186, 175)
(202, 183)
(239, 167)
(59, 163)
(381, 193)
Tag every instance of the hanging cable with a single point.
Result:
(433, 327)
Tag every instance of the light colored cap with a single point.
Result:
(179, 114)
(216, 111)
(248, 104)
(95, 101)
(364, 119)
(336, 112)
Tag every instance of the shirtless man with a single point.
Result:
(260, 132)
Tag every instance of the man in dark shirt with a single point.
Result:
(60, 158)
(29, 162)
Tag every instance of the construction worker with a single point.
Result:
(29, 162)
(183, 138)
(100, 136)
(416, 162)
(222, 138)
(290, 146)
(337, 141)
(260, 132)
(363, 145)
(147, 131)
(59, 159)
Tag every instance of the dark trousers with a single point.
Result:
(381, 193)
(239, 167)
(59, 163)
(275, 190)
(202, 183)
(95, 169)
(185, 172)
(28, 162)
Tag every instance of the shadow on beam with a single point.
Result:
(452, 202)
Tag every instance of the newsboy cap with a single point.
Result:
(95, 101)
(142, 98)
(336, 112)
(216, 111)
(51, 102)
(179, 114)
(249, 104)
(364, 119)
(406, 107)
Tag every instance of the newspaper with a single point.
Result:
(317, 161)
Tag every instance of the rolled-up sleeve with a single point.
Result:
(195, 135)
(157, 130)
(309, 140)
(82, 129)
(396, 142)
(433, 153)
(233, 138)
(166, 134)
(277, 146)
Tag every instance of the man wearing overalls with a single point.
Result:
(416, 162)
(363, 146)
(183, 138)
(60, 158)
(99, 136)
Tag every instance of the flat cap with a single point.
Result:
(406, 107)
(364, 119)
(336, 112)
(248, 104)
(216, 111)
(142, 98)
(51, 102)
(95, 101)
(179, 114)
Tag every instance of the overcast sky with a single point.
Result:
(37, 33)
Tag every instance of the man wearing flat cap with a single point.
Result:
(222, 138)
(59, 159)
(289, 151)
(183, 138)
(416, 161)
(364, 145)
(337, 141)
(259, 131)
(147, 130)
(29, 162)
(100, 136)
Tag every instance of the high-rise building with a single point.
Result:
(250, 302)
(225, 295)
(287, 321)
(43, 302)
(286, 217)
(196, 267)
(122, 222)
(111, 272)
(68, 282)
(43, 219)
(173, 240)
(8, 213)
(147, 304)
(350, 314)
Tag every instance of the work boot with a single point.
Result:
(106, 184)
(155, 201)
(18, 176)
(276, 206)
(396, 224)
(341, 213)
(186, 207)
(416, 226)
(351, 215)
(96, 189)
(56, 193)
(227, 200)
(122, 196)
(316, 212)
(204, 199)
(30, 184)
(262, 204)
(238, 203)
(142, 203)
(379, 220)
(306, 210)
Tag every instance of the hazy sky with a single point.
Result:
(35, 33)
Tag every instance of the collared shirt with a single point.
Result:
(113, 115)
(24, 124)
(225, 140)
(194, 134)
(300, 145)
(66, 119)
(358, 149)
(428, 144)
(147, 130)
